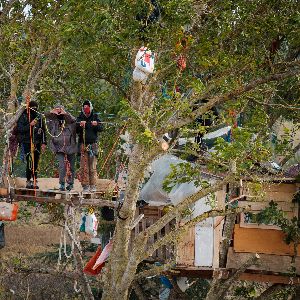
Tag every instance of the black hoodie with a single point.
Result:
(91, 132)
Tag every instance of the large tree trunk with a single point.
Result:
(122, 267)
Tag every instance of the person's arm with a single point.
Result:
(23, 124)
(96, 124)
(44, 136)
(69, 118)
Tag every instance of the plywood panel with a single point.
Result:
(259, 205)
(268, 241)
(204, 243)
(267, 262)
(186, 249)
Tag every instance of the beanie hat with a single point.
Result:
(33, 103)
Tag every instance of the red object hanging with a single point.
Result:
(88, 269)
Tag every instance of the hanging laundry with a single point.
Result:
(88, 269)
(104, 255)
(8, 211)
(89, 223)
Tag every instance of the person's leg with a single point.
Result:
(93, 172)
(36, 157)
(71, 159)
(84, 170)
(26, 147)
(62, 169)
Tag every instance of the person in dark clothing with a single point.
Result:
(87, 126)
(62, 128)
(32, 138)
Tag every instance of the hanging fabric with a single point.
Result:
(104, 255)
(89, 223)
(8, 211)
(88, 269)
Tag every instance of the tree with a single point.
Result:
(242, 57)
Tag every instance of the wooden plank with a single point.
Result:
(3, 192)
(279, 196)
(267, 262)
(268, 241)
(288, 215)
(75, 201)
(218, 227)
(259, 205)
(186, 249)
(269, 278)
(102, 185)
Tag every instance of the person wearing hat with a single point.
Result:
(62, 129)
(32, 139)
(88, 126)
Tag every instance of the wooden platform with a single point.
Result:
(48, 192)
(267, 262)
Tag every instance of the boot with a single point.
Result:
(93, 188)
(29, 184)
(70, 187)
(62, 186)
(86, 188)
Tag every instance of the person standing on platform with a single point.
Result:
(62, 129)
(32, 139)
(88, 126)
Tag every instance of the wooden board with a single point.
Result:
(269, 278)
(254, 240)
(186, 249)
(102, 185)
(267, 262)
(259, 205)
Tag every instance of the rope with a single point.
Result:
(113, 147)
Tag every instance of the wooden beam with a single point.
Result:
(259, 276)
(65, 200)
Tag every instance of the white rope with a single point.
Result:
(75, 287)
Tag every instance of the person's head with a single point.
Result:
(59, 109)
(33, 105)
(87, 107)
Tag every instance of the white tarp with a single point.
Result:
(153, 192)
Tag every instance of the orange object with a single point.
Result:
(88, 269)
(255, 240)
(8, 211)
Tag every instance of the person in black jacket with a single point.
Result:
(88, 125)
(32, 138)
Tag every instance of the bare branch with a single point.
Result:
(232, 95)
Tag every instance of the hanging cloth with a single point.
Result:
(88, 269)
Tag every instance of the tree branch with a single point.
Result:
(180, 122)
(220, 287)
(176, 234)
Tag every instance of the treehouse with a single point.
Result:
(200, 250)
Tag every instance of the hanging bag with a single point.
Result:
(8, 211)
(89, 224)
(144, 60)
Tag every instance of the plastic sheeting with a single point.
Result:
(153, 192)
